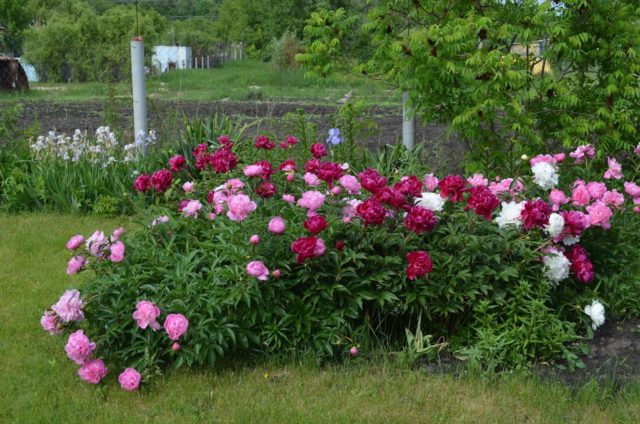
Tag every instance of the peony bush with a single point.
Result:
(282, 248)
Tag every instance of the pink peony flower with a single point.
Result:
(311, 179)
(239, 207)
(117, 233)
(559, 157)
(69, 306)
(146, 315)
(96, 242)
(75, 242)
(50, 322)
(613, 198)
(614, 171)
(117, 252)
(253, 170)
(637, 149)
(600, 214)
(353, 351)
(542, 158)
(335, 190)
(258, 270)
(319, 248)
(93, 371)
(430, 182)
(176, 325)
(596, 190)
(276, 273)
(75, 265)
(78, 347)
(129, 379)
(191, 208)
(350, 183)
(276, 225)
(311, 200)
(160, 220)
(557, 197)
(175, 346)
(583, 152)
(187, 187)
(254, 239)
(580, 195)
(632, 189)
(478, 180)
(289, 198)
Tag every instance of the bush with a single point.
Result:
(266, 250)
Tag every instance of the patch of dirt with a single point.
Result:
(443, 150)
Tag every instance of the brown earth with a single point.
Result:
(444, 150)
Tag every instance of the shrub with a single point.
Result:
(269, 248)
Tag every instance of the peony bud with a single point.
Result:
(255, 239)
(353, 351)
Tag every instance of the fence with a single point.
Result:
(223, 53)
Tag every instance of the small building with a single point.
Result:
(168, 58)
(30, 70)
(12, 75)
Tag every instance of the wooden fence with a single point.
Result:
(223, 53)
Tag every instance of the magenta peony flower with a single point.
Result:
(69, 306)
(75, 265)
(409, 186)
(176, 325)
(78, 347)
(161, 180)
(372, 212)
(391, 197)
(191, 208)
(176, 163)
(263, 142)
(350, 183)
(482, 201)
(307, 247)
(276, 225)
(129, 379)
(223, 160)
(614, 171)
(319, 150)
(312, 201)
(200, 150)
(225, 141)
(50, 322)
(452, 186)
(257, 269)
(239, 207)
(329, 172)
(315, 224)
(254, 239)
(419, 264)
(420, 220)
(266, 190)
(146, 315)
(599, 214)
(371, 180)
(75, 242)
(535, 214)
(93, 371)
(142, 183)
(117, 252)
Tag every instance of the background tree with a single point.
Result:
(475, 66)
(15, 17)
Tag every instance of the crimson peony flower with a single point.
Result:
(371, 211)
(535, 214)
(409, 186)
(266, 190)
(482, 201)
(142, 183)
(581, 265)
(372, 181)
(312, 165)
(420, 219)
(200, 150)
(225, 142)
(223, 160)
(315, 224)
(176, 163)
(202, 161)
(452, 186)
(329, 172)
(161, 180)
(318, 150)
(307, 247)
(267, 169)
(419, 264)
(390, 196)
(340, 245)
(263, 142)
(288, 165)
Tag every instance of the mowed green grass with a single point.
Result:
(38, 384)
(235, 81)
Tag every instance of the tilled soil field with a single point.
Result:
(444, 150)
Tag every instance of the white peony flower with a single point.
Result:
(556, 267)
(570, 240)
(555, 226)
(596, 312)
(510, 214)
(545, 175)
(432, 201)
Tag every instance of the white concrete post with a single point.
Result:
(139, 90)
(408, 123)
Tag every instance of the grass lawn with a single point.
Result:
(39, 384)
(233, 81)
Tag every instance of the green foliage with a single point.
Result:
(283, 50)
(476, 67)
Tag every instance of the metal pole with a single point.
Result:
(139, 90)
(408, 123)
